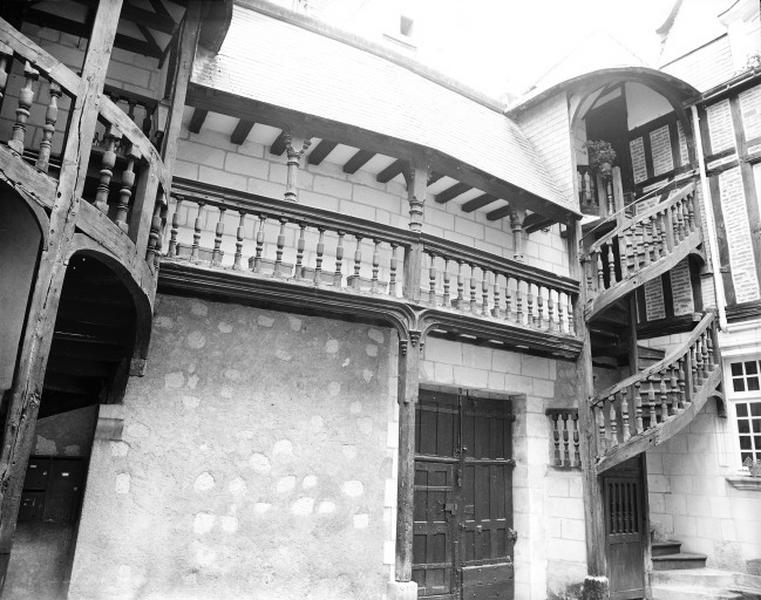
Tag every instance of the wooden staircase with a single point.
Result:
(664, 393)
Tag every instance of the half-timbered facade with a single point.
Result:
(290, 315)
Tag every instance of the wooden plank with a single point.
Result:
(356, 162)
(395, 168)
(23, 403)
(434, 177)
(321, 151)
(196, 121)
(498, 213)
(278, 146)
(452, 192)
(478, 202)
(241, 131)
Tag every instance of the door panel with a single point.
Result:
(625, 530)
(463, 540)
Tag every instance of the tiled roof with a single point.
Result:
(286, 65)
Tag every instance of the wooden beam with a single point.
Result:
(452, 192)
(434, 177)
(356, 162)
(196, 121)
(278, 146)
(498, 213)
(321, 151)
(395, 168)
(241, 131)
(478, 202)
(160, 21)
(149, 39)
(535, 222)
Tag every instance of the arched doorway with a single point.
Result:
(88, 364)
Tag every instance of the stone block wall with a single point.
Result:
(550, 553)
(253, 463)
(692, 501)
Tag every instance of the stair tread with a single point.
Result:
(697, 590)
(681, 556)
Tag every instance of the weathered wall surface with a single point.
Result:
(550, 553)
(692, 501)
(252, 464)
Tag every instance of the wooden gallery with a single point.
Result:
(286, 314)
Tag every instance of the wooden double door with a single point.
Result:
(463, 511)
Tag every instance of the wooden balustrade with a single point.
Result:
(641, 240)
(286, 241)
(642, 402)
(564, 435)
(462, 278)
(143, 111)
(586, 184)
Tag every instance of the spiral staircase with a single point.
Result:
(650, 406)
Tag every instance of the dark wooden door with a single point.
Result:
(625, 529)
(463, 537)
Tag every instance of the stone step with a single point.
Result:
(679, 560)
(666, 547)
(692, 592)
(707, 578)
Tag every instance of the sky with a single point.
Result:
(499, 46)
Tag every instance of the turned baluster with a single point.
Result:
(664, 396)
(279, 248)
(518, 302)
(674, 389)
(460, 286)
(496, 311)
(154, 237)
(472, 286)
(691, 221)
(539, 307)
(638, 407)
(556, 437)
(108, 160)
(259, 244)
(239, 231)
(704, 364)
(175, 227)
(219, 231)
(697, 363)
(682, 383)
(630, 262)
(611, 265)
(6, 56)
(710, 362)
(392, 266)
(196, 233)
(602, 428)
(658, 237)
(566, 441)
(125, 192)
(338, 275)
(576, 441)
(508, 298)
(319, 254)
(613, 419)
(376, 266)
(684, 228)
(357, 262)
(485, 292)
(651, 403)
(300, 245)
(431, 277)
(561, 314)
(600, 271)
(25, 99)
(646, 240)
(627, 407)
(446, 300)
(552, 318)
(569, 311)
(51, 116)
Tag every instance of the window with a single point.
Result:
(746, 395)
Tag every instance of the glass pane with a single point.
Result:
(755, 409)
(751, 367)
(744, 442)
(753, 384)
(742, 410)
(743, 426)
(744, 455)
(737, 369)
(738, 385)
(757, 441)
(756, 426)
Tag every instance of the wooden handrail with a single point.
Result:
(668, 360)
(646, 214)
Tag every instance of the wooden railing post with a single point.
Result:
(24, 396)
(417, 184)
(295, 148)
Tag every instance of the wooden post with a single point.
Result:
(417, 184)
(25, 394)
(516, 224)
(295, 148)
(403, 588)
(593, 506)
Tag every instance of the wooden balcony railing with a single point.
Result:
(214, 227)
(130, 177)
(564, 432)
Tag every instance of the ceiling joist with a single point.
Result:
(241, 131)
(478, 202)
(196, 121)
(321, 151)
(452, 192)
(278, 146)
(498, 213)
(357, 161)
(395, 168)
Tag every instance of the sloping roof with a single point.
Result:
(286, 64)
(694, 24)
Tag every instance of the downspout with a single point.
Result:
(713, 244)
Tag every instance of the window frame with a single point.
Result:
(733, 398)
